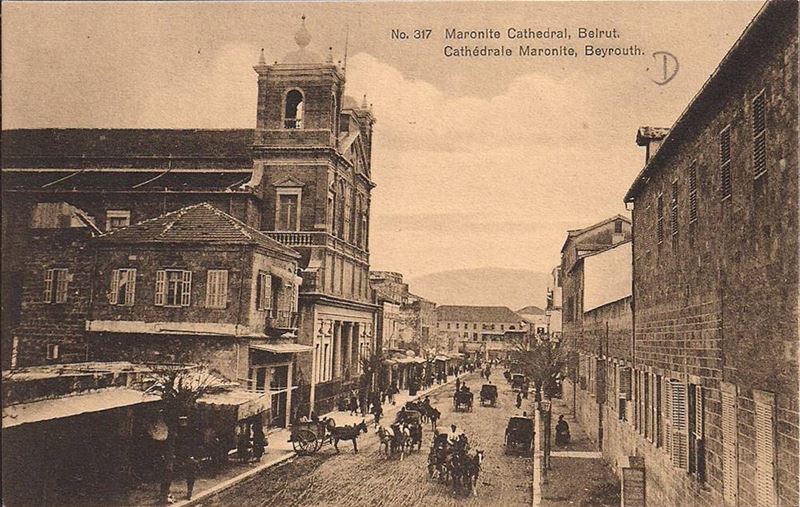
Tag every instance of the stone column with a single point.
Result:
(348, 348)
(289, 393)
(356, 349)
(336, 353)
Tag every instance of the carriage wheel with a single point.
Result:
(305, 442)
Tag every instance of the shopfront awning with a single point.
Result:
(281, 347)
(69, 406)
(244, 403)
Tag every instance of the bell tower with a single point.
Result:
(299, 98)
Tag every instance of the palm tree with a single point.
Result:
(541, 362)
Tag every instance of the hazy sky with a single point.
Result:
(479, 162)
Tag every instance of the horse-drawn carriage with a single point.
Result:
(489, 395)
(518, 381)
(308, 436)
(452, 462)
(519, 435)
(462, 401)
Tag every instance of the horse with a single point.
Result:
(472, 470)
(347, 433)
(385, 436)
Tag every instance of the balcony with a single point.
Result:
(318, 239)
(282, 320)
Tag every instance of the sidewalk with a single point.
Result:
(279, 450)
(578, 474)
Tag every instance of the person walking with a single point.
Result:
(519, 400)
(189, 468)
(259, 441)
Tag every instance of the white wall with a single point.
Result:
(607, 276)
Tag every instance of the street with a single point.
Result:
(370, 478)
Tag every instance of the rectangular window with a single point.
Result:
(173, 287)
(264, 291)
(618, 226)
(765, 449)
(660, 219)
(759, 135)
(697, 458)
(123, 287)
(52, 351)
(693, 193)
(288, 212)
(217, 288)
(117, 219)
(673, 210)
(725, 162)
(56, 285)
(658, 404)
(730, 438)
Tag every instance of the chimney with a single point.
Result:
(651, 138)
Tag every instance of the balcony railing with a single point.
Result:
(282, 319)
(315, 238)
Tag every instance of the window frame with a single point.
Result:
(264, 296)
(117, 214)
(759, 137)
(217, 289)
(298, 123)
(289, 191)
(56, 285)
(130, 289)
(725, 161)
(182, 292)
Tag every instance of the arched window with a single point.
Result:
(293, 112)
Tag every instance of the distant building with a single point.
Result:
(536, 318)
(390, 294)
(554, 304)
(477, 329)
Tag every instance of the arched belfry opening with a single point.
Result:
(293, 113)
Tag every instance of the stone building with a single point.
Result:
(715, 283)
(390, 294)
(554, 302)
(302, 176)
(478, 329)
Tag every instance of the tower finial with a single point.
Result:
(261, 59)
(364, 102)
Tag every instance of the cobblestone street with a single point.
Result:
(370, 478)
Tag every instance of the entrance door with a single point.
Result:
(278, 388)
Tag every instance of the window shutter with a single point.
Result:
(130, 288)
(730, 437)
(680, 437)
(112, 296)
(62, 284)
(211, 288)
(759, 135)
(186, 288)
(161, 284)
(48, 286)
(725, 162)
(266, 294)
(666, 413)
(765, 449)
(699, 405)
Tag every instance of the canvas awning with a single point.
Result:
(281, 347)
(244, 403)
(69, 406)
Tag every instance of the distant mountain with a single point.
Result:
(515, 288)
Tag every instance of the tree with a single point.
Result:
(374, 370)
(542, 362)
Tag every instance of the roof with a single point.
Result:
(125, 143)
(734, 68)
(645, 134)
(198, 223)
(69, 406)
(476, 313)
(573, 233)
(531, 310)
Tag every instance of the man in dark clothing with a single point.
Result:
(259, 441)
(519, 400)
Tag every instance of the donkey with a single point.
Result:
(347, 433)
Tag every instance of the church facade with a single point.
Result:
(302, 177)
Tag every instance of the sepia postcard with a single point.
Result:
(505, 253)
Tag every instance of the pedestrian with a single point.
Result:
(377, 412)
(562, 431)
(189, 467)
(167, 469)
(259, 441)
(519, 400)
(458, 384)
(353, 403)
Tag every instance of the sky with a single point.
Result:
(479, 162)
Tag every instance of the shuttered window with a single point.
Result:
(264, 291)
(667, 416)
(693, 193)
(173, 287)
(765, 449)
(730, 438)
(56, 285)
(658, 411)
(660, 219)
(697, 455)
(217, 288)
(673, 210)
(680, 438)
(759, 135)
(123, 287)
(725, 187)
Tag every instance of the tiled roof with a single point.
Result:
(476, 313)
(199, 223)
(124, 143)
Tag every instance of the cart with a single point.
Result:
(489, 395)
(517, 381)
(519, 435)
(462, 401)
(308, 437)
